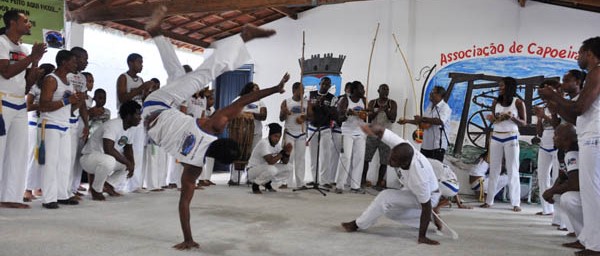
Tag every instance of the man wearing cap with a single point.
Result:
(268, 161)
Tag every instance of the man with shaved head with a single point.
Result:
(411, 205)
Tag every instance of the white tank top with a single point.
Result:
(291, 126)
(60, 116)
(352, 125)
(132, 84)
(547, 140)
(588, 124)
(507, 125)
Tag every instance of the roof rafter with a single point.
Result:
(105, 12)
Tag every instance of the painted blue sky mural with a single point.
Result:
(515, 66)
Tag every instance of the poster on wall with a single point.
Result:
(317, 67)
(46, 16)
(471, 77)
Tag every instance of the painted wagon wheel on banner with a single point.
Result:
(478, 128)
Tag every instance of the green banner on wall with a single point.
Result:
(47, 18)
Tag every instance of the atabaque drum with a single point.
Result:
(241, 130)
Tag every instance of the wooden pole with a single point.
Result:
(370, 60)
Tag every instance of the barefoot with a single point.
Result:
(462, 206)
(574, 245)
(96, 196)
(350, 226)
(516, 209)
(250, 32)
(186, 245)
(485, 205)
(14, 205)
(153, 25)
(425, 240)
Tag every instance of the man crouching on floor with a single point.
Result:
(268, 161)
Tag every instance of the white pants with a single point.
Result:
(351, 161)
(297, 159)
(228, 55)
(559, 218)
(336, 151)
(397, 205)
(56, 171)
(547, 162)
(505, 145)
(175, 169)
(155, 161)
(105, 169)
(138, 134)
(589, 187)
(570, 205)
(207, 170)
(323, 145)
(13, 151)
(76, 146)
(33, 168)
(262, 174)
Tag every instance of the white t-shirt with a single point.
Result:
(132, 83)
(441, 170)
(480, 169)
(62, 115)
(297, 108)
(352, 125)
(419, 178)
(12, 52)
(432, 135)
(572, 161)
(255, 108)
(262, 149)
(588, 123)
(112, 130)
(195, 107)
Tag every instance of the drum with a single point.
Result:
(241, 130)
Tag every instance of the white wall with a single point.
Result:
(346, 29)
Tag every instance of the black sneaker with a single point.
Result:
(256, 189)
(53, 205)
(69, 201)
(269, 187)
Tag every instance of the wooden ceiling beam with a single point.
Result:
(232, 31)
(166, 33)
(286, 11)
(223, 20)
(112, 13)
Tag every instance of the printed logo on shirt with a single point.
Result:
(188, 144)
(296, 110)
(252, 106)
(358, 108)
(571, 162)
(16, 56)
(123, 141)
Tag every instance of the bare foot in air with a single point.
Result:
(153, 25)
(186, 245)
(250, 32)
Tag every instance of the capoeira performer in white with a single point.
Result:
(269, 161)
(352, 110)
(293, 113)
(586, 109)
(14, 60)
(448, 183)
(509, 114)
(547, 159)
(189, 139)
(56, 99)
(412, 205)
(564, 194)
(108, 154)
